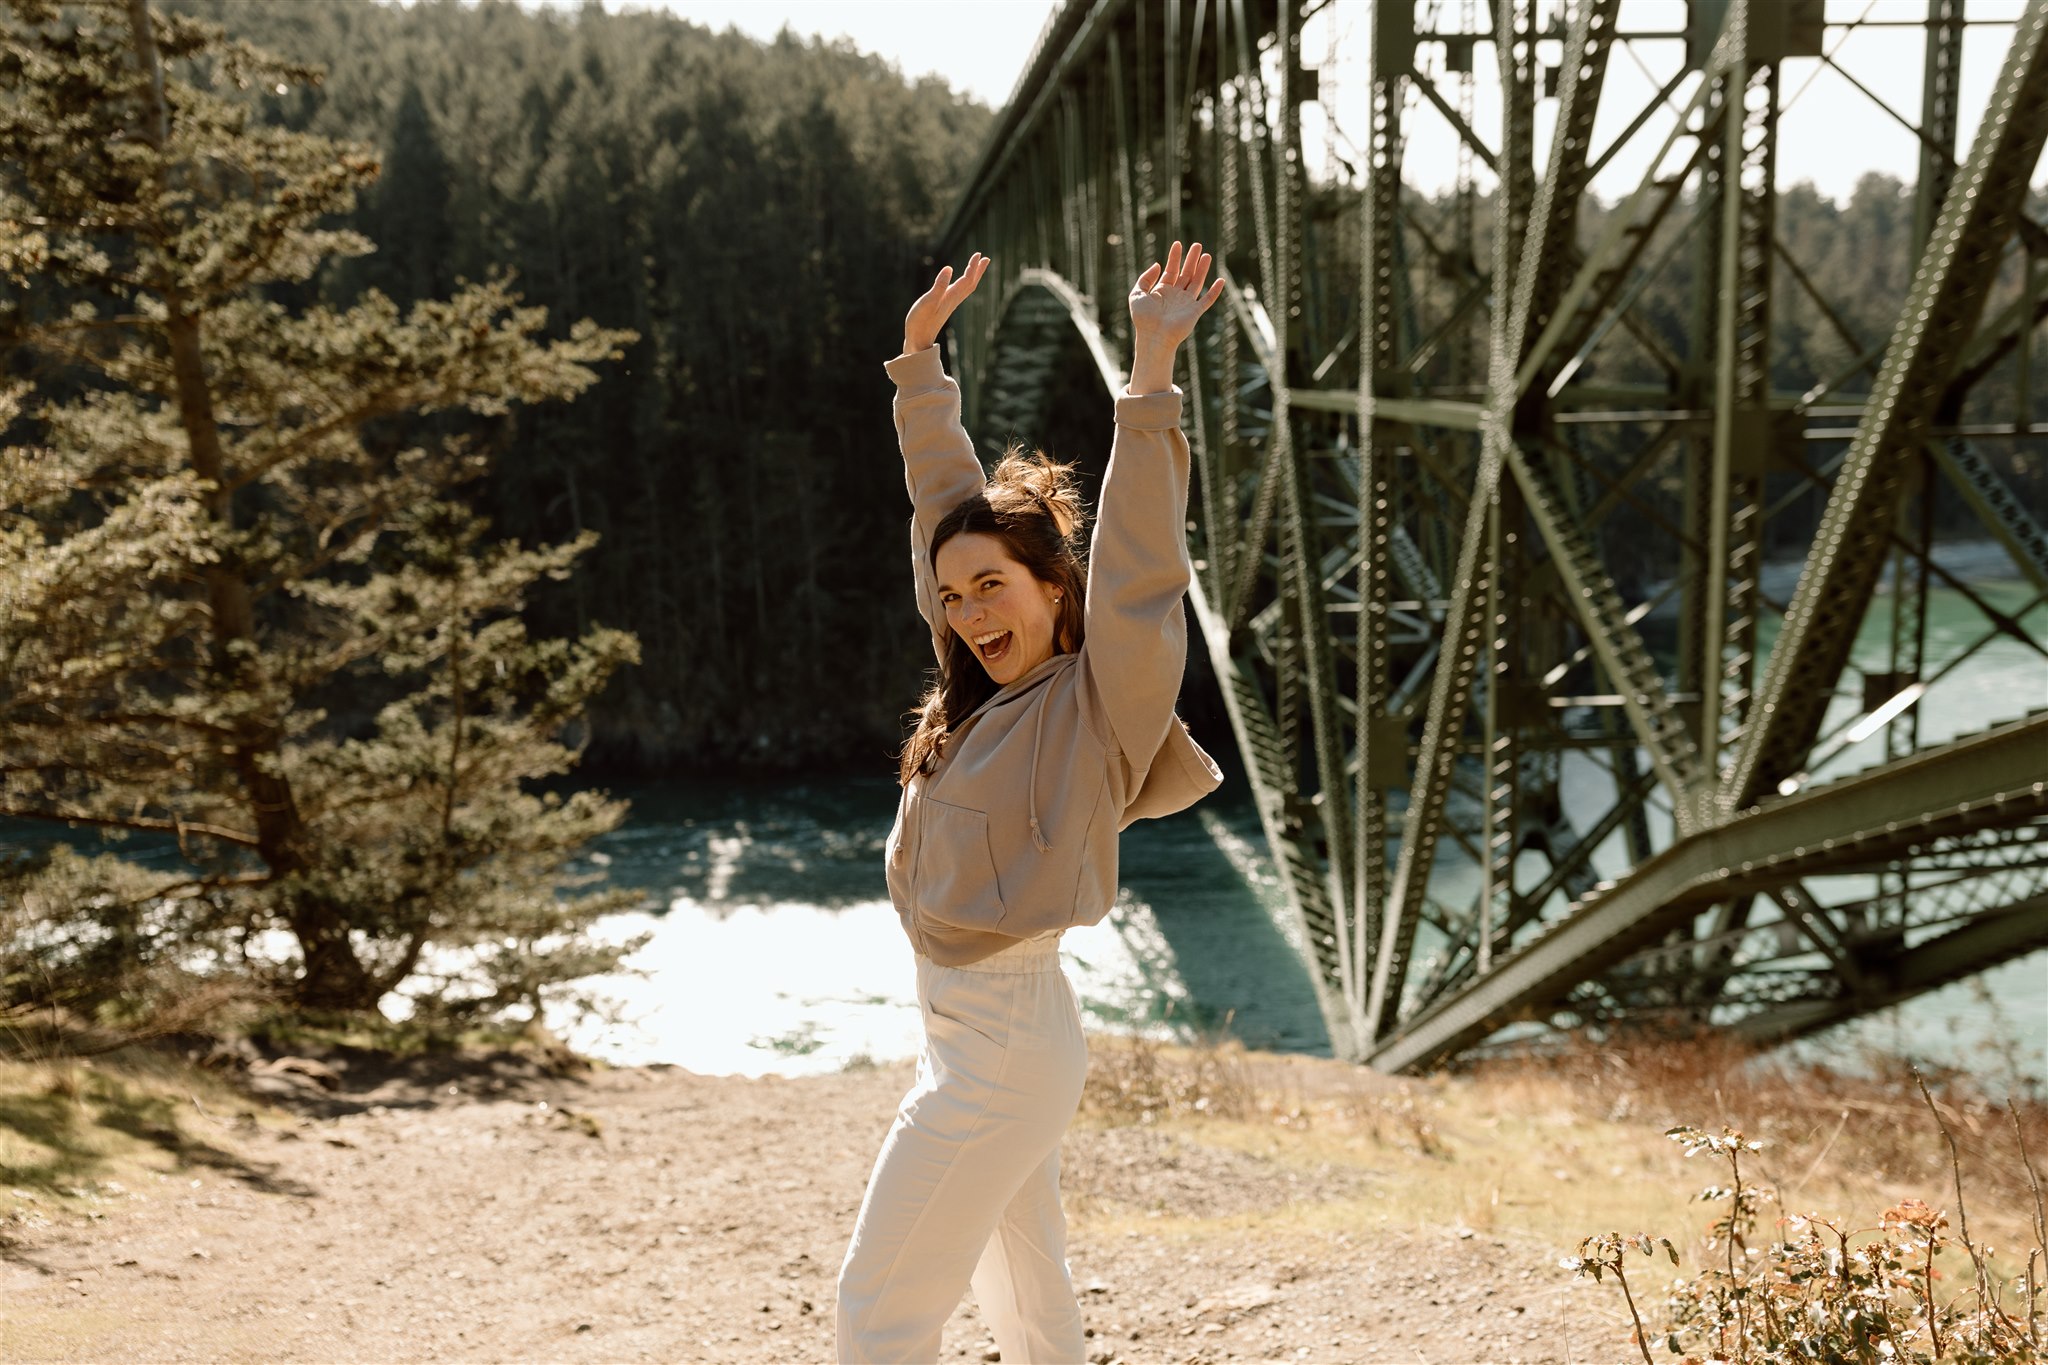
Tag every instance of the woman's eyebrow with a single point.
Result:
(978, 573)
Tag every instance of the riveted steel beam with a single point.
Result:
(2010, 931)
(1987, 780)
(1940, 313)
(1532, 265)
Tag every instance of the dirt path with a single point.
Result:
(496, 1213)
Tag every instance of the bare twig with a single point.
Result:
(1986, 1305)
(1954, 1160)
(1821, 1156)
(1642, 1338)
(2040, 1217)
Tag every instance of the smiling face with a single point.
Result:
(1005, 615)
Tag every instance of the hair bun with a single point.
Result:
(1046, 482)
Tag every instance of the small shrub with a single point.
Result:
(1828, 1291)
(1136, 1080)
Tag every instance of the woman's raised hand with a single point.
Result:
(1168, 299)
(922, 323)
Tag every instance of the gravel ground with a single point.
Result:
(490, 1210)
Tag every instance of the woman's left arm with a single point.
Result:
(1138, 569)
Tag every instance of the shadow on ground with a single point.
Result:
(70, 1136)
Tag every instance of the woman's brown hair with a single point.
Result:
(1033, 506)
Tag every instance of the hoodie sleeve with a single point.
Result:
(939, 468)
(1136, 646)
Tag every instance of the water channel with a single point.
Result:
(775, 947)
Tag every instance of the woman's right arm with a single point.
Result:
(940, 468)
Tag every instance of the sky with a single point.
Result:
(1830, 132)
(979, 46)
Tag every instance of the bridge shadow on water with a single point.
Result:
(1209, 950)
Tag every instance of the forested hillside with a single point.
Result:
(756, 213)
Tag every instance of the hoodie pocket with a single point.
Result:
(955, 877)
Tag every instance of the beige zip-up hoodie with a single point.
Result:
(1014, 832)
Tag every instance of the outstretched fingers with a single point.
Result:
(969, 277)
(921, 325)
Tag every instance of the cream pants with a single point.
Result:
(966, 1190)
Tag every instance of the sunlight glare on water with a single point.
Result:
(776, 948)
(793, 990)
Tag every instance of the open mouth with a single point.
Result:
(992, 646)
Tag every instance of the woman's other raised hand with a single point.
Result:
(921, 325)
(1166, 302)
(1168, 299)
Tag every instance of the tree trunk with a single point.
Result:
(334, 976)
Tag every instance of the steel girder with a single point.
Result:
(1949, 290)
(1413, 471)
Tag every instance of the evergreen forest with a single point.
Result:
(297, 605)
(754, 213)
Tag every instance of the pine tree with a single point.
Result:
(408, 217)
(241, 606)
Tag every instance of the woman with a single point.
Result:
(1049, 729)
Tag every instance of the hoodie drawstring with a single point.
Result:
(1037, 733)
(1037, 833)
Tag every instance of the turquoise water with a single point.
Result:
(775, 947)
(778, 950)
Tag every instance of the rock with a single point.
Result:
(319, 1073)
(1242, 1298)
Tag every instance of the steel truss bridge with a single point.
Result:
(1480, 551)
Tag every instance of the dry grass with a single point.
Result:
(1834, 1139)
(73, 1127)
(1570, 1144)
(1141, 1080)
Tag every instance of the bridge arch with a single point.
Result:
(1436, 565)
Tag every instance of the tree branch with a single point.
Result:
(139, 823)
